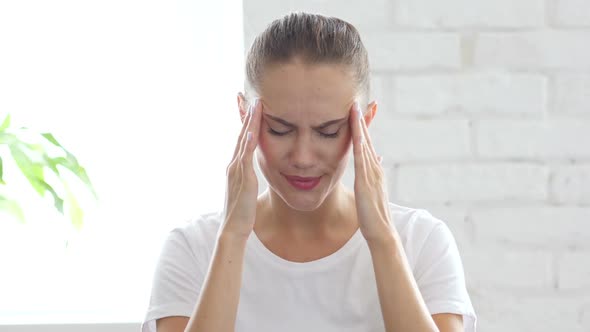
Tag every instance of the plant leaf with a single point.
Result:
(39, 152)
(6, 123)
(32, 171)
(12, 207)
(52, 139)
(1, 172)
(75, 212)
(71, 163)
(50, 163)
(58, 202)
(31, 160)
(7, 138)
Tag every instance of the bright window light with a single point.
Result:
(144, 94)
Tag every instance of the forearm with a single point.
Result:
(401, 303)
(217, 306)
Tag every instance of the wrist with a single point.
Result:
(227, 234)
(388, 238)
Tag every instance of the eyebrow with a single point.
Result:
(321, 126)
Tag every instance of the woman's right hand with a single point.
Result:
(242, 185)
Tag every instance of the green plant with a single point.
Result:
(33, 159)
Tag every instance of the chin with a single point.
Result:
(301, 200)
(298, 203)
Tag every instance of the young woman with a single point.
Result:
(309, 254)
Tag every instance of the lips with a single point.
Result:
(303, 183)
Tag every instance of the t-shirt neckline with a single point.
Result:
(318, 264)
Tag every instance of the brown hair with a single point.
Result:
(313, 38)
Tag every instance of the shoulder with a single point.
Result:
(435, 261)
(181, 268)
(197, 234)
(419, 230)
(204, 225)
(413, 223)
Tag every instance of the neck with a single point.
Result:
(334, 216)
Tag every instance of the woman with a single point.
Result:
(309, 254)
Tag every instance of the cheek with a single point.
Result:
(344, 144)
(336, 150)
(267, 147)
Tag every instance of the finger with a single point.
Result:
(368, 144)
(239, 143)
(252, 134)
(371, 165)
(256, 123)
(241, 136)
(357, 144)
(244, 140)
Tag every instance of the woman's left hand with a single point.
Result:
(372, 204)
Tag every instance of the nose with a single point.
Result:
(302, 152)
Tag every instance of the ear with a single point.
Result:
(370, 112)
(242, 106)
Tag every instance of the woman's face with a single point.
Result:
(305, 130)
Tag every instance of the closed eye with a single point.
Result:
(332, 135)
(283, 133)
(278, 133)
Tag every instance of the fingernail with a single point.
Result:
(358, 109)
(249, 136)
(255, 104)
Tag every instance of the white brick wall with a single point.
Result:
(508, 269)
(531, 311)
(572, 93)
(571, 184)
(534, 227)
(539, 49)
(484, 120)
(572, 13)
(449, 136)
(573, 275)
(558, 138)
(398, 51)
(462, 13)
(475, 92)
(494, 182)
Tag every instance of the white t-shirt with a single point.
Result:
(334, 293)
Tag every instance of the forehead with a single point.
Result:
(303, 88)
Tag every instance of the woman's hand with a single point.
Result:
(369, 182)
(242, 185)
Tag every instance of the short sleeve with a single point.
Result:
(440, 276)
(177, 280)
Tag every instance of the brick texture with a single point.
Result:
(484, 120)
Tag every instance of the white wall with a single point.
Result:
(144, 94)
(72, 328)
(485, 120)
